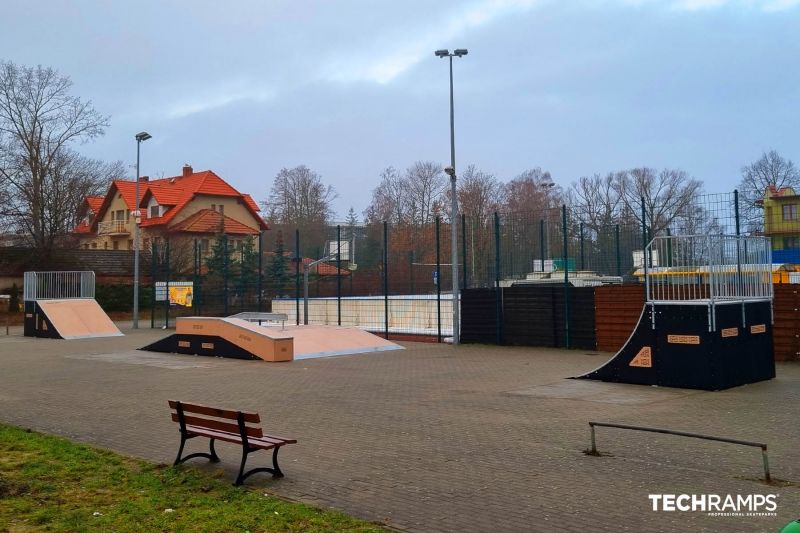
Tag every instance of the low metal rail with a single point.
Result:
(761, 445)
(263, 317)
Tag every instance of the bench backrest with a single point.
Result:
(227, 420)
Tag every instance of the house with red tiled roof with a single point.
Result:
(190, 206)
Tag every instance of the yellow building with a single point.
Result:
(782, 223)
(191, 206)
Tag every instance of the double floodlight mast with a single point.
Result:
(451, 171)
(137, 218)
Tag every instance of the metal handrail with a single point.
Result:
(761, 445)
(58, 285)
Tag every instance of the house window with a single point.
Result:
(105, 245)
(130, 244)
(790, 212)
(120, 214)
(791, 243)
(204, 245)
(153, 211)
(221, 209)
(116, 245)
(94, 245)
(86, 246)
(213, 207)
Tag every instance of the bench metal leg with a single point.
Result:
(180, 450)
(212, 456)
(275, 470)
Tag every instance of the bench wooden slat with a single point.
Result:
(214, 411)
(217, 424)
(265, 442)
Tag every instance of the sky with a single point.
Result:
(349, 87)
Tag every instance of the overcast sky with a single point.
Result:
(350, 87)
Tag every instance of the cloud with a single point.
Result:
(406, 55)
(768, 6)
(221, 96)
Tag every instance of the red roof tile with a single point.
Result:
(94, 202)
(210, 221)
(83, 227)
(252, 203)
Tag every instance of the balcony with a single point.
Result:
(113, 227)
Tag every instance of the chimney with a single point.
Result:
(187, 170)
(144, 178)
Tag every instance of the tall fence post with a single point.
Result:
(225, 265)
(196, 276)
(498, 297)
(385, 279)
(541, 241)
(616, 245)
(644, 243)
(339, 274)
(297, 261)
(153, 266)
(260, 284)
(438, 286)
(738, 244)
(583, 263)
(566, 275)
(166, 287)
(464, 250)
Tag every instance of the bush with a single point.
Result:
(120, 297)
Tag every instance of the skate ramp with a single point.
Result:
(240, 339)
(672, 346)
(76, 318)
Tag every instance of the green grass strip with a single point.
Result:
(49, 483)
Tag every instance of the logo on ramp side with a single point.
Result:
(643, 359)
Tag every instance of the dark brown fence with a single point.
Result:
(530, 316)
(617, 310)
(787, 322)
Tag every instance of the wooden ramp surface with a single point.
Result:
(269, 344)
(329, 341)
(273, 343)
(78, 318)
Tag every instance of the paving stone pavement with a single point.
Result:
(431, 438)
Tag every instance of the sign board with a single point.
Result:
(643, 359)
(730, 332)
(181, 293)
(638, 257)
(344, 251)
(683, 339)
(758, 328)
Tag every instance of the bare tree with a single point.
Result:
(425, 187)
(596, 200)
(299, 197)
(39, 120)
(533, 191)
(668, 195)
(479, 193)
(389, 199)
(770, 170)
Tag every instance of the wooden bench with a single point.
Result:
(216, 424)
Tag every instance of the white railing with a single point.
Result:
(113, 227)
(58, 285)
(708, 269)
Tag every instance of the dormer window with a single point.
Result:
(154, 211)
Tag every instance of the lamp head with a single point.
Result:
(460, 52)
(450, 171)
(143, 136)
(442, 53)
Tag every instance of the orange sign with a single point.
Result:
(184, 344)
(683, 339)
(758, 328)
(207, 345)
(730, 332)
(643, 359)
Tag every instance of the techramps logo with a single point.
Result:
(717, 504)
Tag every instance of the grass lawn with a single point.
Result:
(51, 483)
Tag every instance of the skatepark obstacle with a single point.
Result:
(242, 339)
(61, 305)
(707, 320)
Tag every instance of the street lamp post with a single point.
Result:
(143, 136)
(451, 171)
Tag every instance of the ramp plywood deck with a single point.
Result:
(78, 318)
